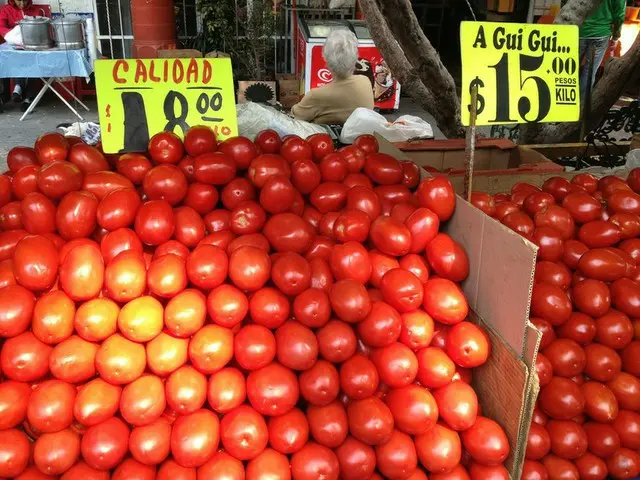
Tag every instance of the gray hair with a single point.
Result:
(341, 53)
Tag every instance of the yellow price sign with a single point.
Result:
(141, 97)
(524, 72)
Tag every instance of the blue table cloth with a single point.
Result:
(43, 63)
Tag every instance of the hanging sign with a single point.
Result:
(523, 72)
(138, 98)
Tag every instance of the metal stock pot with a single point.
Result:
(36, 33)
(69, 33)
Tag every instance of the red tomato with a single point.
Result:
(315, 461)
(226, 390)
(320, 384)
(538, 442)
(435, 368)
(312, 308)
(254, 347)
(505, 208)
(625, 296)
(186, 390)
(243, 433)
(222, 465)
(598, 234)
(118, 209)
(364, 199)
(165, 182)
(410, 174)
(520, 223)
(486, 442)
(351, 260)
(82, 272)
(215, 168)
(143, 400)
(76, 215)
(397, 365)
(25, 181)
(294, 148)
(50, 407)
(73, 360)
(38, 214)
(236, 192)
(536, 201)
(166, 147)
(289, 432)
(557, 186)
(296, 346)
(592, 297)
(370, 421)
(14, 398)
(35, 263)
(265, 166)
(439, 449)
(561, 399)
(447, 258)
(241, 150)
(87, 158)
(557, 218)
(437, 194)
(356, 459)
(329, 197)
(119, 360)
(287, 232)
(199, 140)
(194, 438)
(560, 468)
(485, 202)
(355, 159)
(614, 330)
(96, 319)
(586, 181)
(189, 227)
(155, 222)
(321, 145)
(211, 348)
(165, 354)
(568, 439)
(383, 169)
(328, 424)
(358, 377)
(51, 147)
(56, 179)
(626, 388)
(249, 268)
(101, 183)
(367, 143)
(15, 449)
(133, 166)
(397, 458)
(268, 141)
(171, 470)
(623, 464)
(19, 157)
(272, 390)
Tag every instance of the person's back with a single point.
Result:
(605, 20)
(333, 103)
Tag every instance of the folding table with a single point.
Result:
(47, 65)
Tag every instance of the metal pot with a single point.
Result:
(69, 33)
(36, 33)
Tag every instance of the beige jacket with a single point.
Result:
(333, 103)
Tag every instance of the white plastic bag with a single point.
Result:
(363, 121)
(633, 159)
(14, 37)
(88, 131)
(254, 117)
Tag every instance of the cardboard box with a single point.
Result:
(179, 53)
(288, 90)
(498, 290)
(494, 158)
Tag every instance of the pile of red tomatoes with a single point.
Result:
(265, 310)
(586, 302)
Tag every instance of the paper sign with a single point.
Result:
(138, 98)
(524, 72)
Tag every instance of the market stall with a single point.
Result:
(212, 306)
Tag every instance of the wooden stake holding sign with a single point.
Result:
(517, 73)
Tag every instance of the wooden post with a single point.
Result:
(470, 145)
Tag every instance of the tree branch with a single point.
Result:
(575, 12)
(420, 74)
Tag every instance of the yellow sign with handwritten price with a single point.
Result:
(524, 73)
(141, 97)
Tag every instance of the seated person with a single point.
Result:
(10, 15)
(333, 103)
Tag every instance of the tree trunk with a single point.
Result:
(413, 60)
